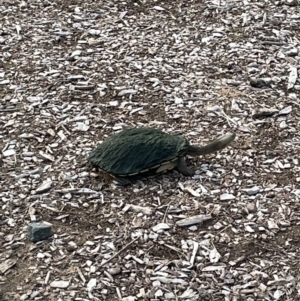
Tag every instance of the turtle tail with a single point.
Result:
(215, 145)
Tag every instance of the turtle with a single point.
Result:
(148, 151)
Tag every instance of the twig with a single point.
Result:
(194, 253)
(174, 249)
(115, 255)
(78, 191)
(81, 275)
(8, 110)
(272, 43)
(47, 277)
(119, 293)
(164, 218)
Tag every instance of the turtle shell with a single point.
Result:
(137, 150)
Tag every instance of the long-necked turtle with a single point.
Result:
(148, 151)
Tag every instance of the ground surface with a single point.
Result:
(73, 72)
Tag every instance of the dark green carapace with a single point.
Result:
(135, 150)
(148, 151)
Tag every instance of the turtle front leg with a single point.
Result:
(183, 169)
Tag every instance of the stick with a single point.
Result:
(115, 255)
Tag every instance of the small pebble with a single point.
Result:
(251, 191)
(59, 284)
(9, 152)
(227, 197)
(161, 226)
(251, 207)
(114, 271)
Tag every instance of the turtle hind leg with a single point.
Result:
(183, 169)
(124, 181)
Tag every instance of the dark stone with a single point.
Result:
(39, 231)
(261, 82)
